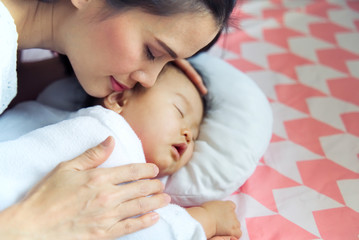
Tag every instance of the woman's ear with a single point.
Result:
(115, 101)
(79, 4)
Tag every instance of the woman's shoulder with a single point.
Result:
(8, 34)
(8, 51)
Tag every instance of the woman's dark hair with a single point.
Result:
(220, 9)
(207, 99)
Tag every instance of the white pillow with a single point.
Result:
(233, 136)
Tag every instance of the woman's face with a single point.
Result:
(115, 53)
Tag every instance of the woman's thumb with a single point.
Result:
(93, 157)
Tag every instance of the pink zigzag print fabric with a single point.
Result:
(304, 55)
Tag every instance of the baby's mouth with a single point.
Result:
(180, 149)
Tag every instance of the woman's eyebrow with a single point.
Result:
(167, 49)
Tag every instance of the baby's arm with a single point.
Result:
(217, 218)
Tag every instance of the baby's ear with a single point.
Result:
(115, 101)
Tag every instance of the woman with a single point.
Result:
(112, 45)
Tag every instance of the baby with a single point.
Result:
(166, 118)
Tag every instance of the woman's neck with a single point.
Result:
(35, 22)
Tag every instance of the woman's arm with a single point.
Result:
(78, 200)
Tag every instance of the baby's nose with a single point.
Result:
(188, 135)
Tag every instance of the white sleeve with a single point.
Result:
(8, 52)
(174, 224)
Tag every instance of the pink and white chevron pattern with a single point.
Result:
(304, 55)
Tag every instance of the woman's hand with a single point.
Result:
(79, 201)
(192, 74)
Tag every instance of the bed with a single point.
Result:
(304, 55)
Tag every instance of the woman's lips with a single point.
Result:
(116, 86)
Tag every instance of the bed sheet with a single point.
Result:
(304, 55)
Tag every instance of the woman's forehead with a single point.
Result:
(184, 33)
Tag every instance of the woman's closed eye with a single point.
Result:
(149, 54)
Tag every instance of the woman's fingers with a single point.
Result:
(131, 225)
(93, 157)
(131, 172)
(142, 205)
(113, 196)
(141, 188)
(192, 74)
(78, 192)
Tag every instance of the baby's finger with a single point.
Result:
(224, 238)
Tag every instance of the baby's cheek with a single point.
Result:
(188, 155)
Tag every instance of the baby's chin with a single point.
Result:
(164, 169)
(164, 172)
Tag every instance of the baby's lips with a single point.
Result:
(181, 148)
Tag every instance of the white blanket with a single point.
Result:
(27, 156)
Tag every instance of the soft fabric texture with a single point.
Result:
(26, 159)
(232, 139)
(8, 53)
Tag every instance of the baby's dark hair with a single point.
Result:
(206, 99)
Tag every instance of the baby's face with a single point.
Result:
(166, 118)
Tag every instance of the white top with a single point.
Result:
(8, 52)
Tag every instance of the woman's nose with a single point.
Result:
(146, 78)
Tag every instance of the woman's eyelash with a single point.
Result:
(149, 54)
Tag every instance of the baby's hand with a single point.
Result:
(223, 212)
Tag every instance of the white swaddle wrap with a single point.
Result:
(29, 155)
